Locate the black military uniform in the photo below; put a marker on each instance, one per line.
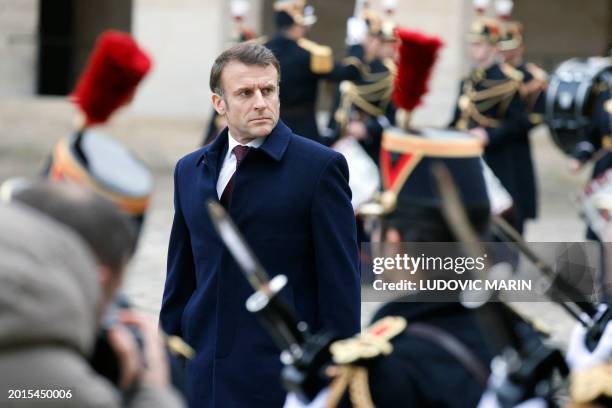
(303, 63)
(368, 99)
(534, 82)
(490, 99)
(421, 373)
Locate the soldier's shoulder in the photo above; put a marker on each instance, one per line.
(321, 56)
(389, 380)
(373, 342)
(511, 72)
(535, 71)
(314, 47)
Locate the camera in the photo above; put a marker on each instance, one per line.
(104, 359)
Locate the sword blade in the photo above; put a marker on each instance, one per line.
(236, 244)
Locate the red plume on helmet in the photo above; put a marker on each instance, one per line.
(417, 55)
(115, 67)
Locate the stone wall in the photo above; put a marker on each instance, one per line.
(184, 37)
(18, 47)
(556, 30)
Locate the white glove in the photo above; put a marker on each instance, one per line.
(489, 400)
(579, 357)
(320, 400)
(356, 31)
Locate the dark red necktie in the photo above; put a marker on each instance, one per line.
(240, 152)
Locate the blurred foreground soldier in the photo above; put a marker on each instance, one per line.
(532, 91)
(89, 157)
(419, 352)
(491, 109)
(303, 63)
(50, 305)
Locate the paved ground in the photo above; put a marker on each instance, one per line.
(29, 128)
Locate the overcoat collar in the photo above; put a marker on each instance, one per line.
(275, 145)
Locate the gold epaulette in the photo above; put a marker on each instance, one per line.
(372, 98)
(606, 142)
(511, 72)
(391, 65)
(499, 92)
(364, 69)
(371, 343)
(590, 384)
(359, 64)
(321, 56)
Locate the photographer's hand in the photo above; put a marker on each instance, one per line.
(154, 370)
(126, 349)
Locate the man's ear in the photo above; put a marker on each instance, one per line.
(219, 104)
(104, 275)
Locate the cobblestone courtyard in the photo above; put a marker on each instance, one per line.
(30, 127)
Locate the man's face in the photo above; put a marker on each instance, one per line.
(109, 281)
(388, 50)
(481, 52)
(371, 45)
(250, 102)
(514, 57)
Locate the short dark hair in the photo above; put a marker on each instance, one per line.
(248, 53)
(109, 234)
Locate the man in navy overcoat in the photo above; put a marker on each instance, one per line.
(290, 198)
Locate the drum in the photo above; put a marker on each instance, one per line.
(570, 97)
(595, 203)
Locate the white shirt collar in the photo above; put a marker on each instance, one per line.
(231, 142)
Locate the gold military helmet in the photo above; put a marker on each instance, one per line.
(484, 29)
(378, 25)
(297, 10)
(511, 35)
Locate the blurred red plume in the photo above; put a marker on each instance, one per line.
(111, 76)
(417, 55)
